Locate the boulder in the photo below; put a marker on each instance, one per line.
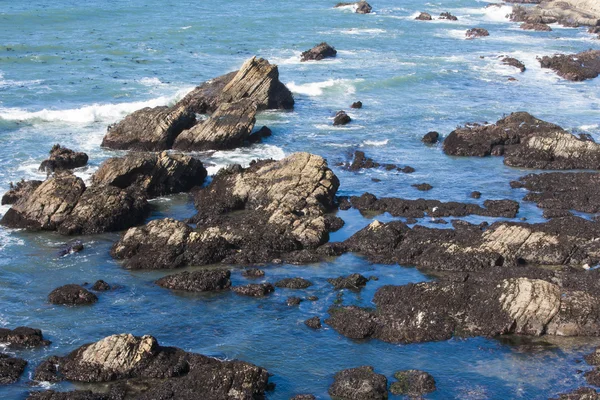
(513, 62)
(423, 187)
(574, 67)
(22, 337)
(152, 174)
(356, 104)
(431, 137)
(149, 129)
(359, 384)
(228, 127)
(413, 383)
(71, 295)
(100, 286)
(293, 301)
(341, 118)
(293, 283)
(319, 52)
(48, 205)
(362, 7)
(11, 369)
(254, 289)
(352, 282)
(20, 190)
(535, 26)
(475, 194)
(424, 17)
(476, 33)
(448, 16)
(205, 280)
(314, 323)
(62, 158)
(151, 371)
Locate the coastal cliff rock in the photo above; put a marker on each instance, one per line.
(433, 311)
(71, 295)
(570, 13)
(159, 372)
(152, 174)
(22, 337)
(48, 205)
(149, 129)
(62, 158)
(11, 369)
(574, 67)
(228, 127)
(205, 280)
(319, 52)
(21, 189)
(247, 215)
(359, 384)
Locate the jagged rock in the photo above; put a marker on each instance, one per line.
(424, 17)
(359, 384)
(71, 295)
(341, 118)
(153, 174)
(293, 301)
(253, 273)
(356, 104)
(529, 26)
(48, 205)
(254, 289)
(62, 158)
(431, 137)
(433, 311)
(413, 383)
(101, 286)
(293, 283)
(228, 127)
(422, 186)
(448, 16)
(20, 190)
(319, 52)
(149, 129)
(583, 393)
(368, 203)
(574, 67)
(22, 337)
(476, 33)
(513, 62)
(159, 372)
(105, 209)
(360, 161)
(352, 281)
(11, 368)
(314, 323)
(562, 191)
(259, 135)
(204, 99)
(205, 280)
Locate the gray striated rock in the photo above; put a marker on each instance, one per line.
(23, 337)
(62, 158)
(571, 13)
(319, 52)
(71, 295)
(149, 129)
(412, 383)
(204, 99)
(359, 384)
(229, 127)
(21, 189)
(574, 67)
(11, 369)
(205, 280)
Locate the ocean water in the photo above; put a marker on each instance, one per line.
(69, 68)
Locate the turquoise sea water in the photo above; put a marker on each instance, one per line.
(70, 68)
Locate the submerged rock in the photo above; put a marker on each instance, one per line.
(574, 67)
(319, 52)
(352, 282)
(359, 384)
(341, 118)
(72, 247)
(101, 286)
(303, 397)
(476, 33)
(23, 337)
(424, 17)
(20, 190)
(448, 16)
(62, 158)
(71, 295)
(513, 62)
(253, 273)
(254, 289)
(412, 383)
(424, 187)
(228, 127)
(11, 369)
(293, 283)
(204, 280)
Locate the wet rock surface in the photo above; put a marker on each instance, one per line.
(293, 301)
(341, 118)
(513, 62)
(319, 52)
(159, 372)
(11, 369)
(361, 161)
(62, 158)
(254, 289)
(359, 384)
(476, 33)
(71, 294)
(431, 137)
(205, 280)
(575, 67)
(22, 189)
(293, 283)
(352, 282)
(22, 337)
(412, 383)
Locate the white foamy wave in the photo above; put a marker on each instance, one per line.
(349, 7)
(453, 33)
(87, 114)
(339, 127)
(243, 156)
(357, 31)
(318, 88)
(6, 238)
(589, 127)
(185, 27)
(154, 81)
(376, 142)
(490, 14)
(11, 83)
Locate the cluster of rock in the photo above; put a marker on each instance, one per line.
(525, 141)
(361, 161)
(138, 367)
(427, 17)
(11, 368)
(574, 67)
(232, 100)
(116, 200)
(270, 210)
